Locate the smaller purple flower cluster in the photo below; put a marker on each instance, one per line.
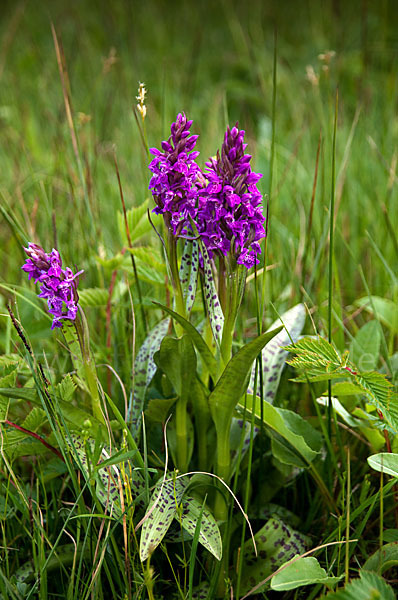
(174, 184)
(58, 285)
(223, 201)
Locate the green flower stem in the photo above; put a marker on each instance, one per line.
(236, 279)
(90, 372)
(182, 435)
(175, 280)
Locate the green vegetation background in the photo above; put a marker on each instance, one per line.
(214, 61)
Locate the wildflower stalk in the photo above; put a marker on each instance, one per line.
(90, 372)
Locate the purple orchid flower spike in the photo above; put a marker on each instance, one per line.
(174, 183)
(230, 214)
(57, 285)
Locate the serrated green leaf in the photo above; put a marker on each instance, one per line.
(8, 375)
(35, 419)
(370, 586)
(209, 534)
(66, 388)
(138, 223)
(73, 414)
(113, 263)
(4, 404)
(161, 511)
(303, 571)
(319, 359)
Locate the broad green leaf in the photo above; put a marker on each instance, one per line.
(209, 534)
(233, 382)
(365, 348)
(390, 535)
(161, 511)
(213, 305)
(381, 308)
(274, 354)
(276, 544)
(189, 272)
(177, 359)
(383, 559)
(200, 344)
(370, 586)
(93, 297)
(158, 409)
(344, 388)
(340, 410)
(294, 440)
(303, 571)
(144, 370)
(385, 462)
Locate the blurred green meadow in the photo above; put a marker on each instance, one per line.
(69, 77)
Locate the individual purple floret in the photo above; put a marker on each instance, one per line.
(58, 285)
(230, 216)
(174, 183)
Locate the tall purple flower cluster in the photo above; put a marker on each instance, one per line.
(223, 201)
(58, 285)
(230, 216)
(174, 184)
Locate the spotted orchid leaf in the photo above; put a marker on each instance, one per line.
(189, 272)
(161, 511)
(213, 305)
(276, 544)
(238, 446)
(209, 533)
(144, 370)
(111, 478)
(274, 354)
